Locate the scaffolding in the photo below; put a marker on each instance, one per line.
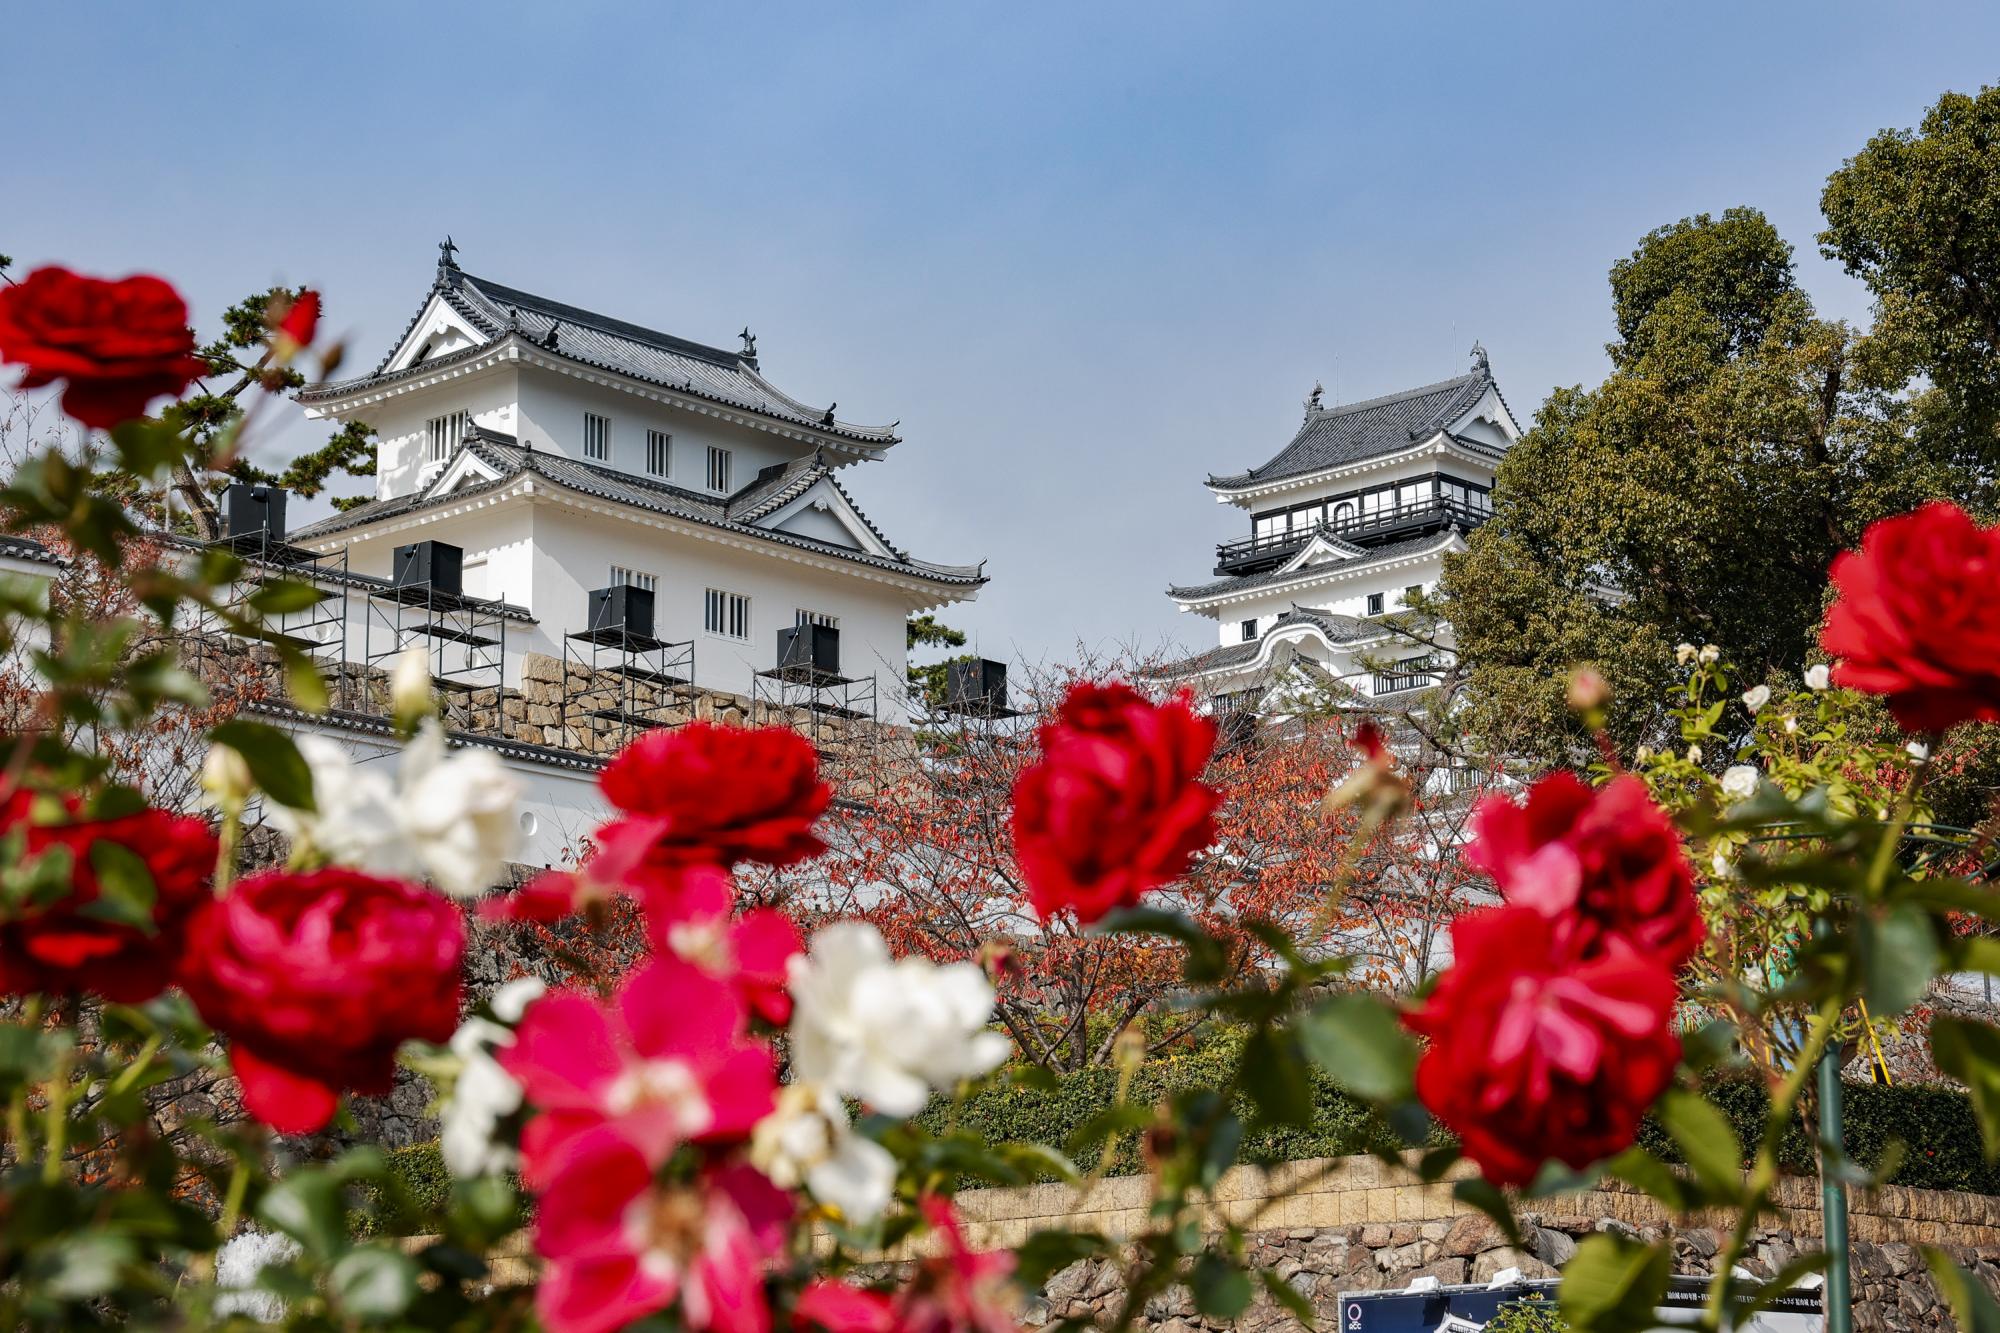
(618, 683)
(826, 707)
(465, 645)
(220, 650)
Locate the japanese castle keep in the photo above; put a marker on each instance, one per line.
(1349, 519)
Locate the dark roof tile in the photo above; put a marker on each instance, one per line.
(1335, 436)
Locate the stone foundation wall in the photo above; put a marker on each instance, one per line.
(1356, 1224)
(535, 713)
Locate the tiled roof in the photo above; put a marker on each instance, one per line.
(763, 495)
(1334, 436)
(1274, 577)
(1337, 629)
(584, 336)
(27, 548)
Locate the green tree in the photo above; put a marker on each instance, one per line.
(1916, 216)
(927, 682)
(1697, 494)
(243, 357)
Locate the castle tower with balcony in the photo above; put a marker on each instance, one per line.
(1347, 522)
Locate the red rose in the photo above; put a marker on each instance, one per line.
(1115, 805)
(300, 319)
(1915, 618)
(1536, 1054)
(61, 947)
(316, 979)
(1601, 862)
(719, 795)
(115, 345)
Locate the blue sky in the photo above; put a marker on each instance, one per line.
(1085, 253)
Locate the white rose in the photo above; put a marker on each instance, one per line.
(1721, 863)
(1757, 697)
(1694, 754)
(484, 1093)
(242, 1257)
(1918, 751)
(410, 693)
(887, 1030)
(458, 813)
(1739, 782)
(446, 817)
(1710, 653)
(1818, 676)
(1685, 653)
(806, 1140)
(1791, 725)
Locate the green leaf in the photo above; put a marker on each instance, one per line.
(1706, 1140)
(1971, 1304)
(283, 597)
(274, 761)
(1813, 1261)
(1640, 1169)
(1491, 1200)
(1361, 1044)
(1221, 1289)
(1612, 1284)
(125, 889)
(1046, 1253)
(147, 448)
(374, 1282)
(310, 1207)
(1899, 956)
(88, 1265)
(1273, 1074)
(1970, 1053)
(1285, 1294)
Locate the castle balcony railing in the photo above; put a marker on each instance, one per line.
(1250, 555)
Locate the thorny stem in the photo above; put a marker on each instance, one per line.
(1765, 1173)
(58, 1121)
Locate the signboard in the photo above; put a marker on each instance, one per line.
(1461, 1309)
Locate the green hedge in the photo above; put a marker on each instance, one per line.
(1935, 1125)
(1026, 1114)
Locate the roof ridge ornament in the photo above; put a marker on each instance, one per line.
(1479, 361)
(549, 339)
(749, 352)
(445, 252)
(1313, 399)
(827, 420)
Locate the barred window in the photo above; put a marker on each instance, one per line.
(727, 614)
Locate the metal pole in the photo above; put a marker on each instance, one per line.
(1839, 1294)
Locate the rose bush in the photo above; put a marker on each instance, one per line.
(672, 1172)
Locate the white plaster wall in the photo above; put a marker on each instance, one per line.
(575, 549)
(401, 466)
(552, 407)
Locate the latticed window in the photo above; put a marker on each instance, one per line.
(633, 578)
(727, 614)
(805, 617)
(659, 455)
(442, 435)
(596, 437)
(718, 469)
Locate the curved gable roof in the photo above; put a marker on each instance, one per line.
(1334, 436)
(498, 311)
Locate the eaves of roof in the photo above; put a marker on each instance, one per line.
(512, 461)
(1376, 555)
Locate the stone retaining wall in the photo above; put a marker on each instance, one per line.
(1356, 1224)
